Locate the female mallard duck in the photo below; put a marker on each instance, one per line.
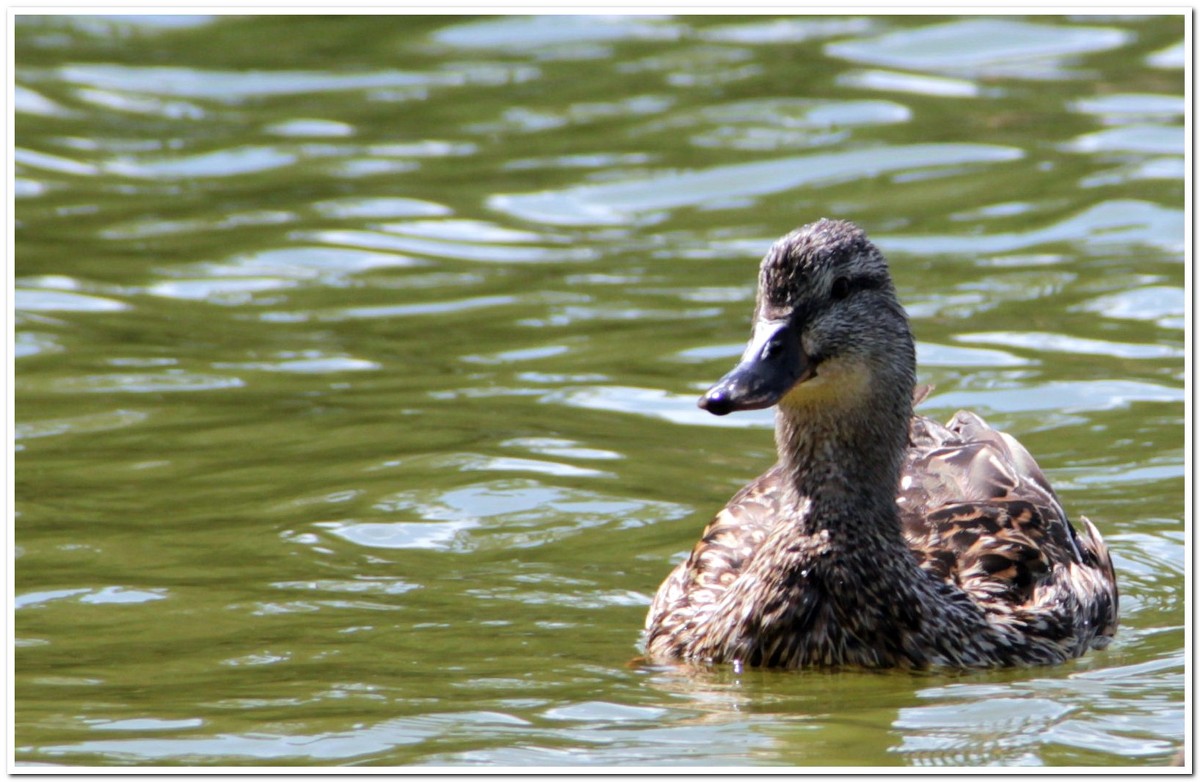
(879, 538)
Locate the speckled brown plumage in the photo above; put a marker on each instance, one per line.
(880, 538)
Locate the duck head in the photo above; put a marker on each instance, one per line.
(828, 328)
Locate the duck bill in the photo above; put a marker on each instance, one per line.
(773, 363)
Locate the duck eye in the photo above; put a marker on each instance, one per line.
(841, 289)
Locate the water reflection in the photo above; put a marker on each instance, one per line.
(500, 514)
(43, 300)
(1106, 223)
(1163, 305)
(548, 35)
(643, 199)
(237, 86)
(771, 124)
(917, 84)
(356, 405)
(982, 47)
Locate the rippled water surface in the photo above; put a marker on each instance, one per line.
(356, 362)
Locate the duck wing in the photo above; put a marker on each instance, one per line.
(730, 540)
(978, 512)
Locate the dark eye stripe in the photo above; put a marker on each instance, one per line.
(844, 286)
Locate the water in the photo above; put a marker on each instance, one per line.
(356, 362)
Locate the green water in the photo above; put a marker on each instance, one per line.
(356, 362)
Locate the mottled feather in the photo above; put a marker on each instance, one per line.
(978, 513)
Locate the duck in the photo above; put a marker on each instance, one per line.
(880, 538)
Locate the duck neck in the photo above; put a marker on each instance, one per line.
(844, 465)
